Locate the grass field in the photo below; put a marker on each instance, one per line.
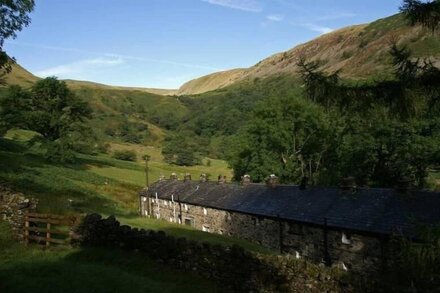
(94, 184)
(99, 184)
(87, 270)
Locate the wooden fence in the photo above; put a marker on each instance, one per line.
(47, 229)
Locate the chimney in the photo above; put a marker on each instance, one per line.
(187, 177)
(404, 185)
(173, 176)
(304, 181)
(203, 177)
(272, 180)
(246, 179)
(221, 179)
(162, 177)
(348, 185)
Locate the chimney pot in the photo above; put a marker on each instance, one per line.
(173, 176)
(203, 177)
(221, 179)
(303, 184)
(272, 180)
(348, 184)
(246, 179)
(187, 177)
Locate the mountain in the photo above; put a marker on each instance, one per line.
(359, 51)
(22, 77)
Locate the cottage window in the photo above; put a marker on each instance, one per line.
(295, 229)
(205, 228)
(346, 238)
(205, 211)
(189, 222)
(228, 217)
(256, 221)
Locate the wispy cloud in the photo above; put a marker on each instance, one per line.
(79, 67)
(115, 55)
(245, 5)
(275, 17)
(318, 28)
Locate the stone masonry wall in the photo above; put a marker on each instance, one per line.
(13, 206)
(232, 268)
(346, 250)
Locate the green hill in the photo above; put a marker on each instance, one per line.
(359, 51)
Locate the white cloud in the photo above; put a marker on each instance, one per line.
(245, 5)
(275, 17)
(78, 67)
(114, 55)
(318, 28)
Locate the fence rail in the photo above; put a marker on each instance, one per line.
(40, 228)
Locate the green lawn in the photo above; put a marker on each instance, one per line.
(87, 270)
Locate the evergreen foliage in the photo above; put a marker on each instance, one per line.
(425, 13)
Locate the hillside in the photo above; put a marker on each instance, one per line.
(360, 51)
(22, 77)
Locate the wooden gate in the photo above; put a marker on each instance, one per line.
(47, 229)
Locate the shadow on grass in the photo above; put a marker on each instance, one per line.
(59, 188)
(94, 270)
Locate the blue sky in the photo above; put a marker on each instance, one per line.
(164, 43)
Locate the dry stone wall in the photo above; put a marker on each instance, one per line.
(233, 268)
(13, 206)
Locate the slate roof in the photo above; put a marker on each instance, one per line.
(373, 210)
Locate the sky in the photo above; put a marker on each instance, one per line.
(164, 43)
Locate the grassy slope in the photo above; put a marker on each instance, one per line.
(87, 270)
(97, 184)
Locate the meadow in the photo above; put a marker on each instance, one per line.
(103, 185)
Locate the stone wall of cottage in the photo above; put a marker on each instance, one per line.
(347, 250)
(13, 206)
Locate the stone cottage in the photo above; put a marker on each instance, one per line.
(346, 226)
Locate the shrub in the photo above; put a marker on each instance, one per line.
(125, 155)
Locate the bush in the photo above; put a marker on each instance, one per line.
(125, 155)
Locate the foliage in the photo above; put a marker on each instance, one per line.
(377, 131)
(125, 155)
(418, 261)
(288, 137)
(53, 111)
(14, 17)
(181, 149)
(425, 13)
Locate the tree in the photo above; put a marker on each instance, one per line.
(50, 109)
(289, 137)
(425, 13)
(14, 17)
